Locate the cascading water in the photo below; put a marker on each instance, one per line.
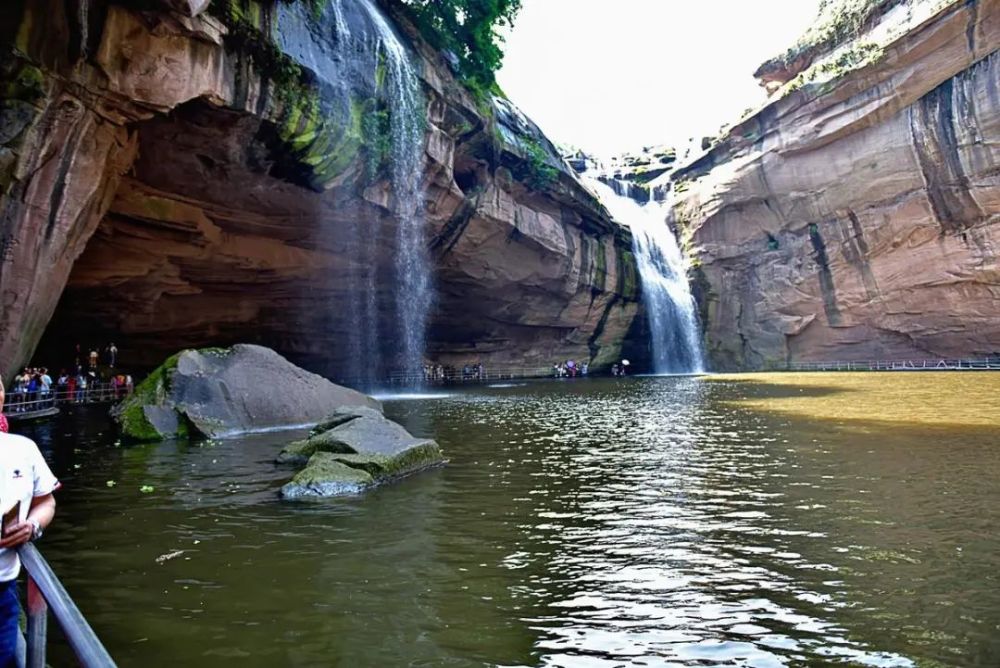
(411, 286)
(666, 294)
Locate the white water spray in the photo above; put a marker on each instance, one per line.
(666, 295)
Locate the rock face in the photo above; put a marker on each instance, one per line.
(353, 450)
(179, 173)
(858, 218)
(220, 392)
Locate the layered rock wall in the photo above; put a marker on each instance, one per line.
(184, 173)
(858, 218)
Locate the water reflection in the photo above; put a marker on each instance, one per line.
(654, 521)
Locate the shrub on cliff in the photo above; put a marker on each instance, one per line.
(469, 29)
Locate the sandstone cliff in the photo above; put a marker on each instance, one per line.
(856, 216)
(181, 173)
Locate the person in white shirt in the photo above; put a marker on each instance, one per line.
(25, 478)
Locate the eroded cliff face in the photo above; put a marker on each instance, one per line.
(184, 173)
(858, 218)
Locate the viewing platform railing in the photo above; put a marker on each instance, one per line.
(982, 364)
(18, 404)
(452, 376)
(46, 592)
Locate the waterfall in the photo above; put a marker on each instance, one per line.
(410, 285)
(666, 295)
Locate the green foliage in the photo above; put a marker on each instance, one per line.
(838, 22)
(853, 58)
(468, 29)
(376, 133)
(540, 174)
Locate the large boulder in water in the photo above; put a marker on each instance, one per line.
(219, 392)
(352, 450)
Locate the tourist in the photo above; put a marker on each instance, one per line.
(62, 385)
(18, 393)
(81, 387)
(93, 384)
(128, 383)
(70, 388)
(112, 355)
(45, 383)
(93, 359)
(614, 370)
(30, 490)
(32, 387)
(584, 368)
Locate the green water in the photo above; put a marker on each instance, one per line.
(648, 522)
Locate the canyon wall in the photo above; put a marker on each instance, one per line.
(179, 173)
(857, 217)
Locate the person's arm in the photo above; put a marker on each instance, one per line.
(43, 509)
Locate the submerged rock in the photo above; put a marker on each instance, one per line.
(327, 476)
(358, 449)
(217, 392)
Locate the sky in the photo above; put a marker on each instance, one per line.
(611, 76)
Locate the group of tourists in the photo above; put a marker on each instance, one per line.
(570, 369)
(34, 386)
(92, 377)
(441, 373)
(106, 355)
(34, 389)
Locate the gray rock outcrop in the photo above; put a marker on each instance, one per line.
(219, 392)
(354, 449)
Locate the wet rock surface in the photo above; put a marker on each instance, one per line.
(353, 450)
(222, 392)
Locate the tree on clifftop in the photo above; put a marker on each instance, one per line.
(469, 29)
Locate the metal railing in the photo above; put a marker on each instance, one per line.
(23, 402)
(46, 592)
(981, 364)
(453, 376)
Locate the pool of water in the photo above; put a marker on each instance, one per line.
(641, 521)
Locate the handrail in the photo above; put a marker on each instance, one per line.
(452, 375)
(44, 591)
(935, 364)
(18, 403)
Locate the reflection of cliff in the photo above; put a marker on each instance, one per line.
(182, 180)
(857, 218)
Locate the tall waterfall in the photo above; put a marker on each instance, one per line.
(410, 283)
(412, 289)
(666, 295)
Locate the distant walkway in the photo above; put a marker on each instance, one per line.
(460, 376)
(969, 364)
(22, 407)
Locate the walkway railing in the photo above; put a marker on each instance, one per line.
(452, 376)
(982, 363)
(45, 592)
(19, 402)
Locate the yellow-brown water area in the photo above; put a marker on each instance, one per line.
(931, 399)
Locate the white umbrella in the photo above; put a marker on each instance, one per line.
(626, 362)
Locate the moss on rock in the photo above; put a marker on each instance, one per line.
(325, 475)
(153, 391)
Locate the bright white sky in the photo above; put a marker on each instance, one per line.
(611, 76)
